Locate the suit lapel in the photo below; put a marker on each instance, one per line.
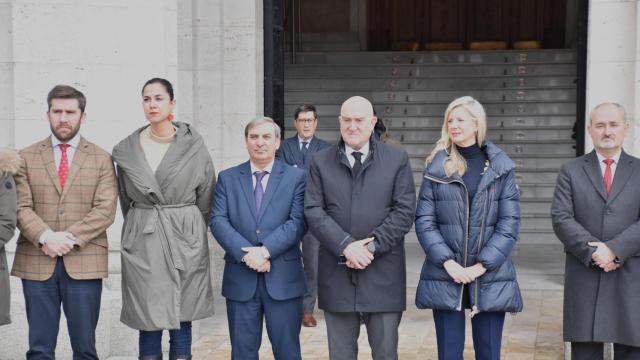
(313, 146)
(272, 186)
(246, 182)
(624, 169)
(294, 147)
(76, 164)
(592, 169)
(49, 163)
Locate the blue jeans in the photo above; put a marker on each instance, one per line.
(179, 341)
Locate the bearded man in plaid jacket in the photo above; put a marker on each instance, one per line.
(67, 196)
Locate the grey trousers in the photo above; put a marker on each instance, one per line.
(343, 330)
(310, 248)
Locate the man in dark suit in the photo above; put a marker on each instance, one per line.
(360, 203)
(297, 151)
(67, 196)
(596, 215)
(258, 219)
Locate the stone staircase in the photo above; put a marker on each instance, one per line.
(529, 96)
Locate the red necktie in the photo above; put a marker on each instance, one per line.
(608, 175)
(63, 169)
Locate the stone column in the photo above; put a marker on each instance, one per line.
(6, 74)
(613, 69)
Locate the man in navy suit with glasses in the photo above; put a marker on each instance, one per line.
(297, 151)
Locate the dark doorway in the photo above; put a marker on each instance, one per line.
(457, 24)
(273, 17)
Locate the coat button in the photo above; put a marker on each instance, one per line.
(258, 231)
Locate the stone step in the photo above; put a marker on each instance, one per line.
(427, 71)
(538, 206)
(397, 83)
(430, 96)
(435, 57)
(385, 109)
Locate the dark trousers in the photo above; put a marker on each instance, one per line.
(343, 330)
(283, 318)
(310, 248)
(487, 334)
(595, 351)
(80, 300)
(150, 342)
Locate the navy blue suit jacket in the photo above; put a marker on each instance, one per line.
(279, 225)
(290, 151)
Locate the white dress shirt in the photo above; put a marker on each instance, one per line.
(71, 150)
(603, 166)
(265, 179)
(349, 150)
(301, 140)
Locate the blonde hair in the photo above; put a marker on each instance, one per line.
(455, 162)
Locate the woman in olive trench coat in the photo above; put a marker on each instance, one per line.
(9, 163)
(166, 280)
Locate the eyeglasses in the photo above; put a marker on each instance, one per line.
(306, 121)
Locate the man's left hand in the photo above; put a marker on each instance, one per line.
(603, 255)
(255, 257)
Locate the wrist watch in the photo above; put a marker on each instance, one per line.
(372, 247)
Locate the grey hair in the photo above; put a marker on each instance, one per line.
(260, 121)
(615, 105)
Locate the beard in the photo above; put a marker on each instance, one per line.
(62, 137)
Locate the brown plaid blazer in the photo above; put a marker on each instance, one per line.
(85, 208)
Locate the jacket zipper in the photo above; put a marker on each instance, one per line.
(474, 308)
(466, 233)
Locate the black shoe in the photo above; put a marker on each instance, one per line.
(151, 357)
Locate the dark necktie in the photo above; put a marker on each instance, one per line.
(357, 165)
(608, 175)
(304, 149)
(258, 191)
(63, 168)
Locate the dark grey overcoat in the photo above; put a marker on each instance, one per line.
(379, 202)
(9, 162)
(599, 306)
(165, 253)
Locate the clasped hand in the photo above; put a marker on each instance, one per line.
(59, 243)
(463, 275)
(255, 259)
(357, 254)
(603, 256)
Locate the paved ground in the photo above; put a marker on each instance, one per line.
(534, 334)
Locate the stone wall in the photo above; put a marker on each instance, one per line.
(613, 61)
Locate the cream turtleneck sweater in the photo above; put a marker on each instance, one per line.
(154, 147)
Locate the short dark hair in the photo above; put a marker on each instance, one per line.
(164, 82)
(305, 108)
(67, 92)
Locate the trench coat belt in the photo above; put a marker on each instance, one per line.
(168, 240)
